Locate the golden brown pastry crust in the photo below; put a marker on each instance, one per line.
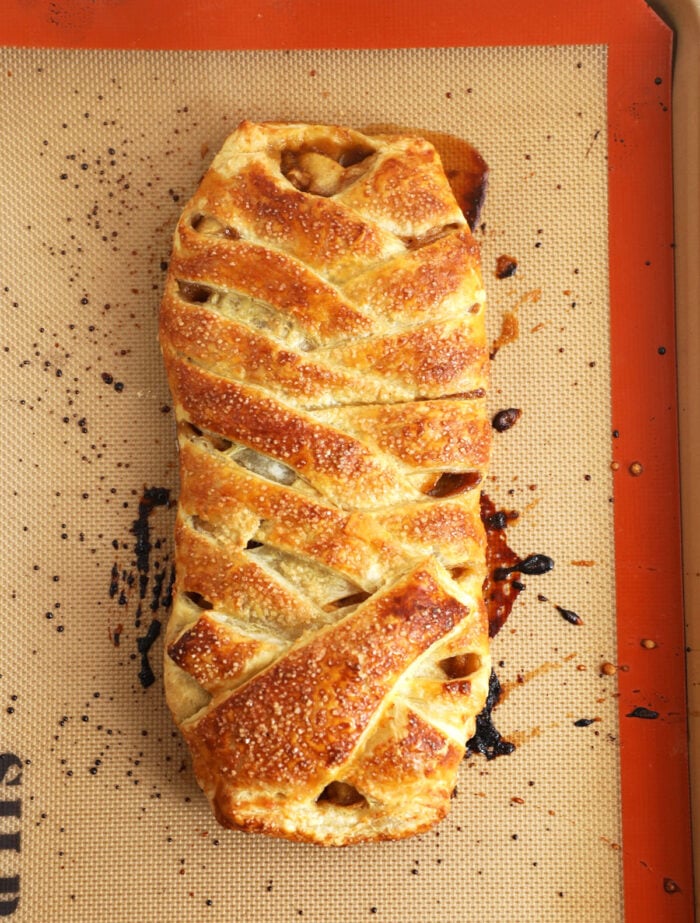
(322, 329)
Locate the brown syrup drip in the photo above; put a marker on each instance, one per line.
(510, 331)
(499, 595)
(510, 324)
(533, 565)
(501, 589)
(149, 578)
(143, 645)
(502, 584)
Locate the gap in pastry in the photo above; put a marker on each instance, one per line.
(220, 443)
(473, 395)
(271, 469)
(202, 525)
(461, 666)
(189, 430)
(323, 172)
(453, 483)
(320, 583)
(198, 600)
(355, 599)
(422, 240)
(212, 227)
(265, 467)
(342, 794)
(193, 292)
(461, 571)
(259, 315)
(351, 156)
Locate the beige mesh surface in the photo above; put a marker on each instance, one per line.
(100, 150)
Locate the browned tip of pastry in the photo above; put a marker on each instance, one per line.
(214, 654)
(464, 166)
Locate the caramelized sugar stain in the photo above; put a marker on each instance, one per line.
(146, 576)
(510, 324)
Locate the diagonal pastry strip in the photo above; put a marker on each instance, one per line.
(299, 722)
(323, 334)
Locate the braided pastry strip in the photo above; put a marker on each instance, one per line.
(323, 334)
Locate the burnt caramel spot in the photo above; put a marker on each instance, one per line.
(506, 266)
(533, 565)
(573, 618)
(505, 419)
(502, 584)
(487, 740)
(497, 520)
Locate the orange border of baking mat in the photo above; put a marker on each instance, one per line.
(658, 878)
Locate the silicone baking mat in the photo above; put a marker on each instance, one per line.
(103, 139)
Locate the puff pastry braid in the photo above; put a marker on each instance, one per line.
(323, 333)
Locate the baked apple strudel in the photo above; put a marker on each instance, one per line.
(322, 329)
